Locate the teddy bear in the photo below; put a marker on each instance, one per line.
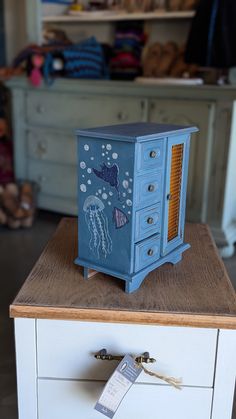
(17, 206)
(159, 59)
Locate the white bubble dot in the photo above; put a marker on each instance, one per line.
(89, 170)
(124, 194)
(89, 182)
(129, 212)
(86, 147)
(109, 163)
(125, 184)
(103, 146)
(114, 156)
(109, 202)
(123, 206)
(104, 196)
(130, 190)
(108, 147)
(83, 175)
(96, 194)
(104, 188)
(127, 173)
(108, 158)
(103, 154)
(110, 193)
(106, 152)
(131, 180)
(129, 202)
(82, 164)
(99, 191)
(83, 187)
(92, 158)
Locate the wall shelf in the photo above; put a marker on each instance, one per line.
(85, 17)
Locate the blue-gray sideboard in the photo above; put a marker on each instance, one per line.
(45, 120)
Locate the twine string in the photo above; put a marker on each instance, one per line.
(175, 382)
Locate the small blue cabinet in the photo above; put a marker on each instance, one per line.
(132, 183)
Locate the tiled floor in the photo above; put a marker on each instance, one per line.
(18, 252)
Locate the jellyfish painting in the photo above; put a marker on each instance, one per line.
(100, 242)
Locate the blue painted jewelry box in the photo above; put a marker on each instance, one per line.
(132, 183)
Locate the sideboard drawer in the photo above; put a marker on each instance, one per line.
(54, 146)
(147, 222)
(150, 155)
(76, 111)
(66, 350)
(54, 179)
(146, 252)
(148, 189)
(73, 400)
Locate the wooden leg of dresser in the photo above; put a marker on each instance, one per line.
(223, 393)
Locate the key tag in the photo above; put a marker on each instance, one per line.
(118, 385)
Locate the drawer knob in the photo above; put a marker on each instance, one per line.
(40, 109)
(169, 197)
(150, 220)
(151, 188)
(150, 252)
(153, 154)
(122, 116)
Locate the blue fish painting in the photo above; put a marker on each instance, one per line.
(120, 219)
(109, 175)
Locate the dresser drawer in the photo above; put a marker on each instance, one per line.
(76, 400)
(150, 155)
(146, 252)
(74, 111)
(147, 222)
(148, 189)
(66, 350)
(54, 179)
(49, 145)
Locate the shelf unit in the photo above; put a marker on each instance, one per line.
(85, 17)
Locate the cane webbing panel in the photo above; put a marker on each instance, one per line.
(175, 190)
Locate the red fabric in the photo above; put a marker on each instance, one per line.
(6, 162)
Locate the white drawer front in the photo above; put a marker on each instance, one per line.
(54, 179)
(74, 111)
(49, 145)
(76, 400)
(66, 350)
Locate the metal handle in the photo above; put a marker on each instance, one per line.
(150, 220)
(169, 197)
(151, 188)
(104, 356)
(150, 252)
(41, 148)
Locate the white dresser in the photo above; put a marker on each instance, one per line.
(183, 315)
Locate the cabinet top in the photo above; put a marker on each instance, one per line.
(196, 292)
(136, 132)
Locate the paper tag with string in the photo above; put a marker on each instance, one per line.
(122, 379)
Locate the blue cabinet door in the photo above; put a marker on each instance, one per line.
(175, 192)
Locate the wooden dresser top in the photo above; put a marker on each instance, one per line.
(196, 292)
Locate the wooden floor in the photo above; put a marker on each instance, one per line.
(19, 250)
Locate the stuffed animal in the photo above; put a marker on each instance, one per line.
(152, 60)
(168, 57)
(17, 206)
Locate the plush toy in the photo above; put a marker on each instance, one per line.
(152, 60)
(168, 57)
(55, 36)
(17, 206)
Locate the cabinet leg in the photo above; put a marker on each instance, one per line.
(176, 259)
(131, 286)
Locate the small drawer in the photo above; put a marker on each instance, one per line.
(66, 350)
(146, 253)
(147, 222)
(148, 189)
(150, 155)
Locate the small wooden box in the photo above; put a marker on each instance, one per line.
(132, 193)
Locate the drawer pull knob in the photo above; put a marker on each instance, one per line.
(153, 154)
(104, 356)
(40, 109)
(150, 220)
(151, 188)
(169, 197)
(150, 252)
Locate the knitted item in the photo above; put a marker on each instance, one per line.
(126, 60)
